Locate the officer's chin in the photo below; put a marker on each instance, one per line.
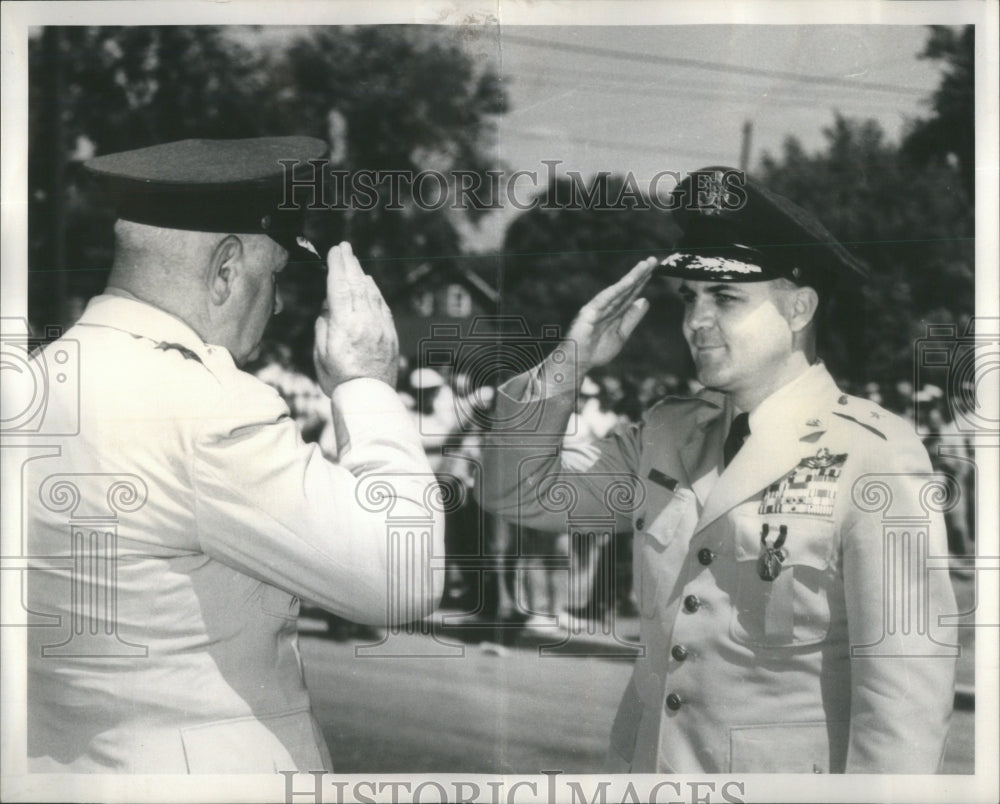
(710, 375)
(253, 355)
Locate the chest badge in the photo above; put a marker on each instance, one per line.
(810, 488)
(771, 556)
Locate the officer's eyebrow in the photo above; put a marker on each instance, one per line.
(686, 291)
(722, 287)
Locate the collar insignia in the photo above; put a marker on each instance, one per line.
(188, 354)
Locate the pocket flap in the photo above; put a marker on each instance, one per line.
(787, 748)
(808, 542)
(664, 513)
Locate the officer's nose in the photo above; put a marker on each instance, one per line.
(699, 315)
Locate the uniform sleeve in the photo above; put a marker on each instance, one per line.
(902, 654)
(275, 508)
(535, 479)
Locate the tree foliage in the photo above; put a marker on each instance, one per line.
(402, 98)
(906, 211)
(908, 223)
(950, 133)
(559, 254)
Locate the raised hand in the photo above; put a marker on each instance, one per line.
(604, 324)
(355, 335)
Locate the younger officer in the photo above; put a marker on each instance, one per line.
(786, 627)
(181, 516)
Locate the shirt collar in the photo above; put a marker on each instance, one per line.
(124, 312)
(775, 411)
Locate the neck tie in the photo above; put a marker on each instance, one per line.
(738, 432)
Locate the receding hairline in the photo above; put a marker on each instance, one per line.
(139, 235)
(132, 236)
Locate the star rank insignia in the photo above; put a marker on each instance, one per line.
(810, 488)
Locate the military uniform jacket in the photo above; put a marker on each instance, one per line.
(174, 525)
(836, 654)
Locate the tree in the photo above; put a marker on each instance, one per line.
(562, 252)
(105, 89)
(411, 100)
(951, 132)
(385, 97)
(916, 239)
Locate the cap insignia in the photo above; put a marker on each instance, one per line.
(720, 265)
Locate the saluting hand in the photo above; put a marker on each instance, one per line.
(606, 321)
(355, 335)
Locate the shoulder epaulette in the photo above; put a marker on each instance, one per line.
(859, 411)
(187, 353)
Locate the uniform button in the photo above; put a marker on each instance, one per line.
(640, 523)
(705, 556)
(673, 702)
(691, 603)
(679, 652)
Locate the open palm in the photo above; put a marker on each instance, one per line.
(604, 324)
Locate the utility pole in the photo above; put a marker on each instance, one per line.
(745, 146)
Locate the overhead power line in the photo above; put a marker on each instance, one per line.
(700, 64)
(724, 95)
(620, 84)
(620, 145)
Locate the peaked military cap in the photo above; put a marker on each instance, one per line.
(735, 230)
(202, 185)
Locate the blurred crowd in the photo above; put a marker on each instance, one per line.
(528, 577)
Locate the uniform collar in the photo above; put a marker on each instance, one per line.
(773, 412)
(779, 427)
(126, 313)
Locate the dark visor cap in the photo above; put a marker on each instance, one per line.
(735, 230)
(225, 186)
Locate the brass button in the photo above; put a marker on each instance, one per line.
(679, 652)
(705, 556)
(673, 702)
(691, 603)
(640, 523)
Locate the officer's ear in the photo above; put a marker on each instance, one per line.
(224, 268)
(805, 303)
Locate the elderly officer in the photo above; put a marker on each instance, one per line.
(173, 647)
(785, 628)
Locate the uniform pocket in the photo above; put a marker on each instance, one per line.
(665, 513)
(656, 526)
(278, 603)
(252, 745)
(793, 609)
(784, 748)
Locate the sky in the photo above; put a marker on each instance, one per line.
(653, 98)
(622, 98)
(649, 98)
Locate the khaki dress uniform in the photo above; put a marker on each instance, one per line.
(771, 593)
(175, 517)
(184, 658)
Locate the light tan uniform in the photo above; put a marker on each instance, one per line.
(743, 674)
(173, 536)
